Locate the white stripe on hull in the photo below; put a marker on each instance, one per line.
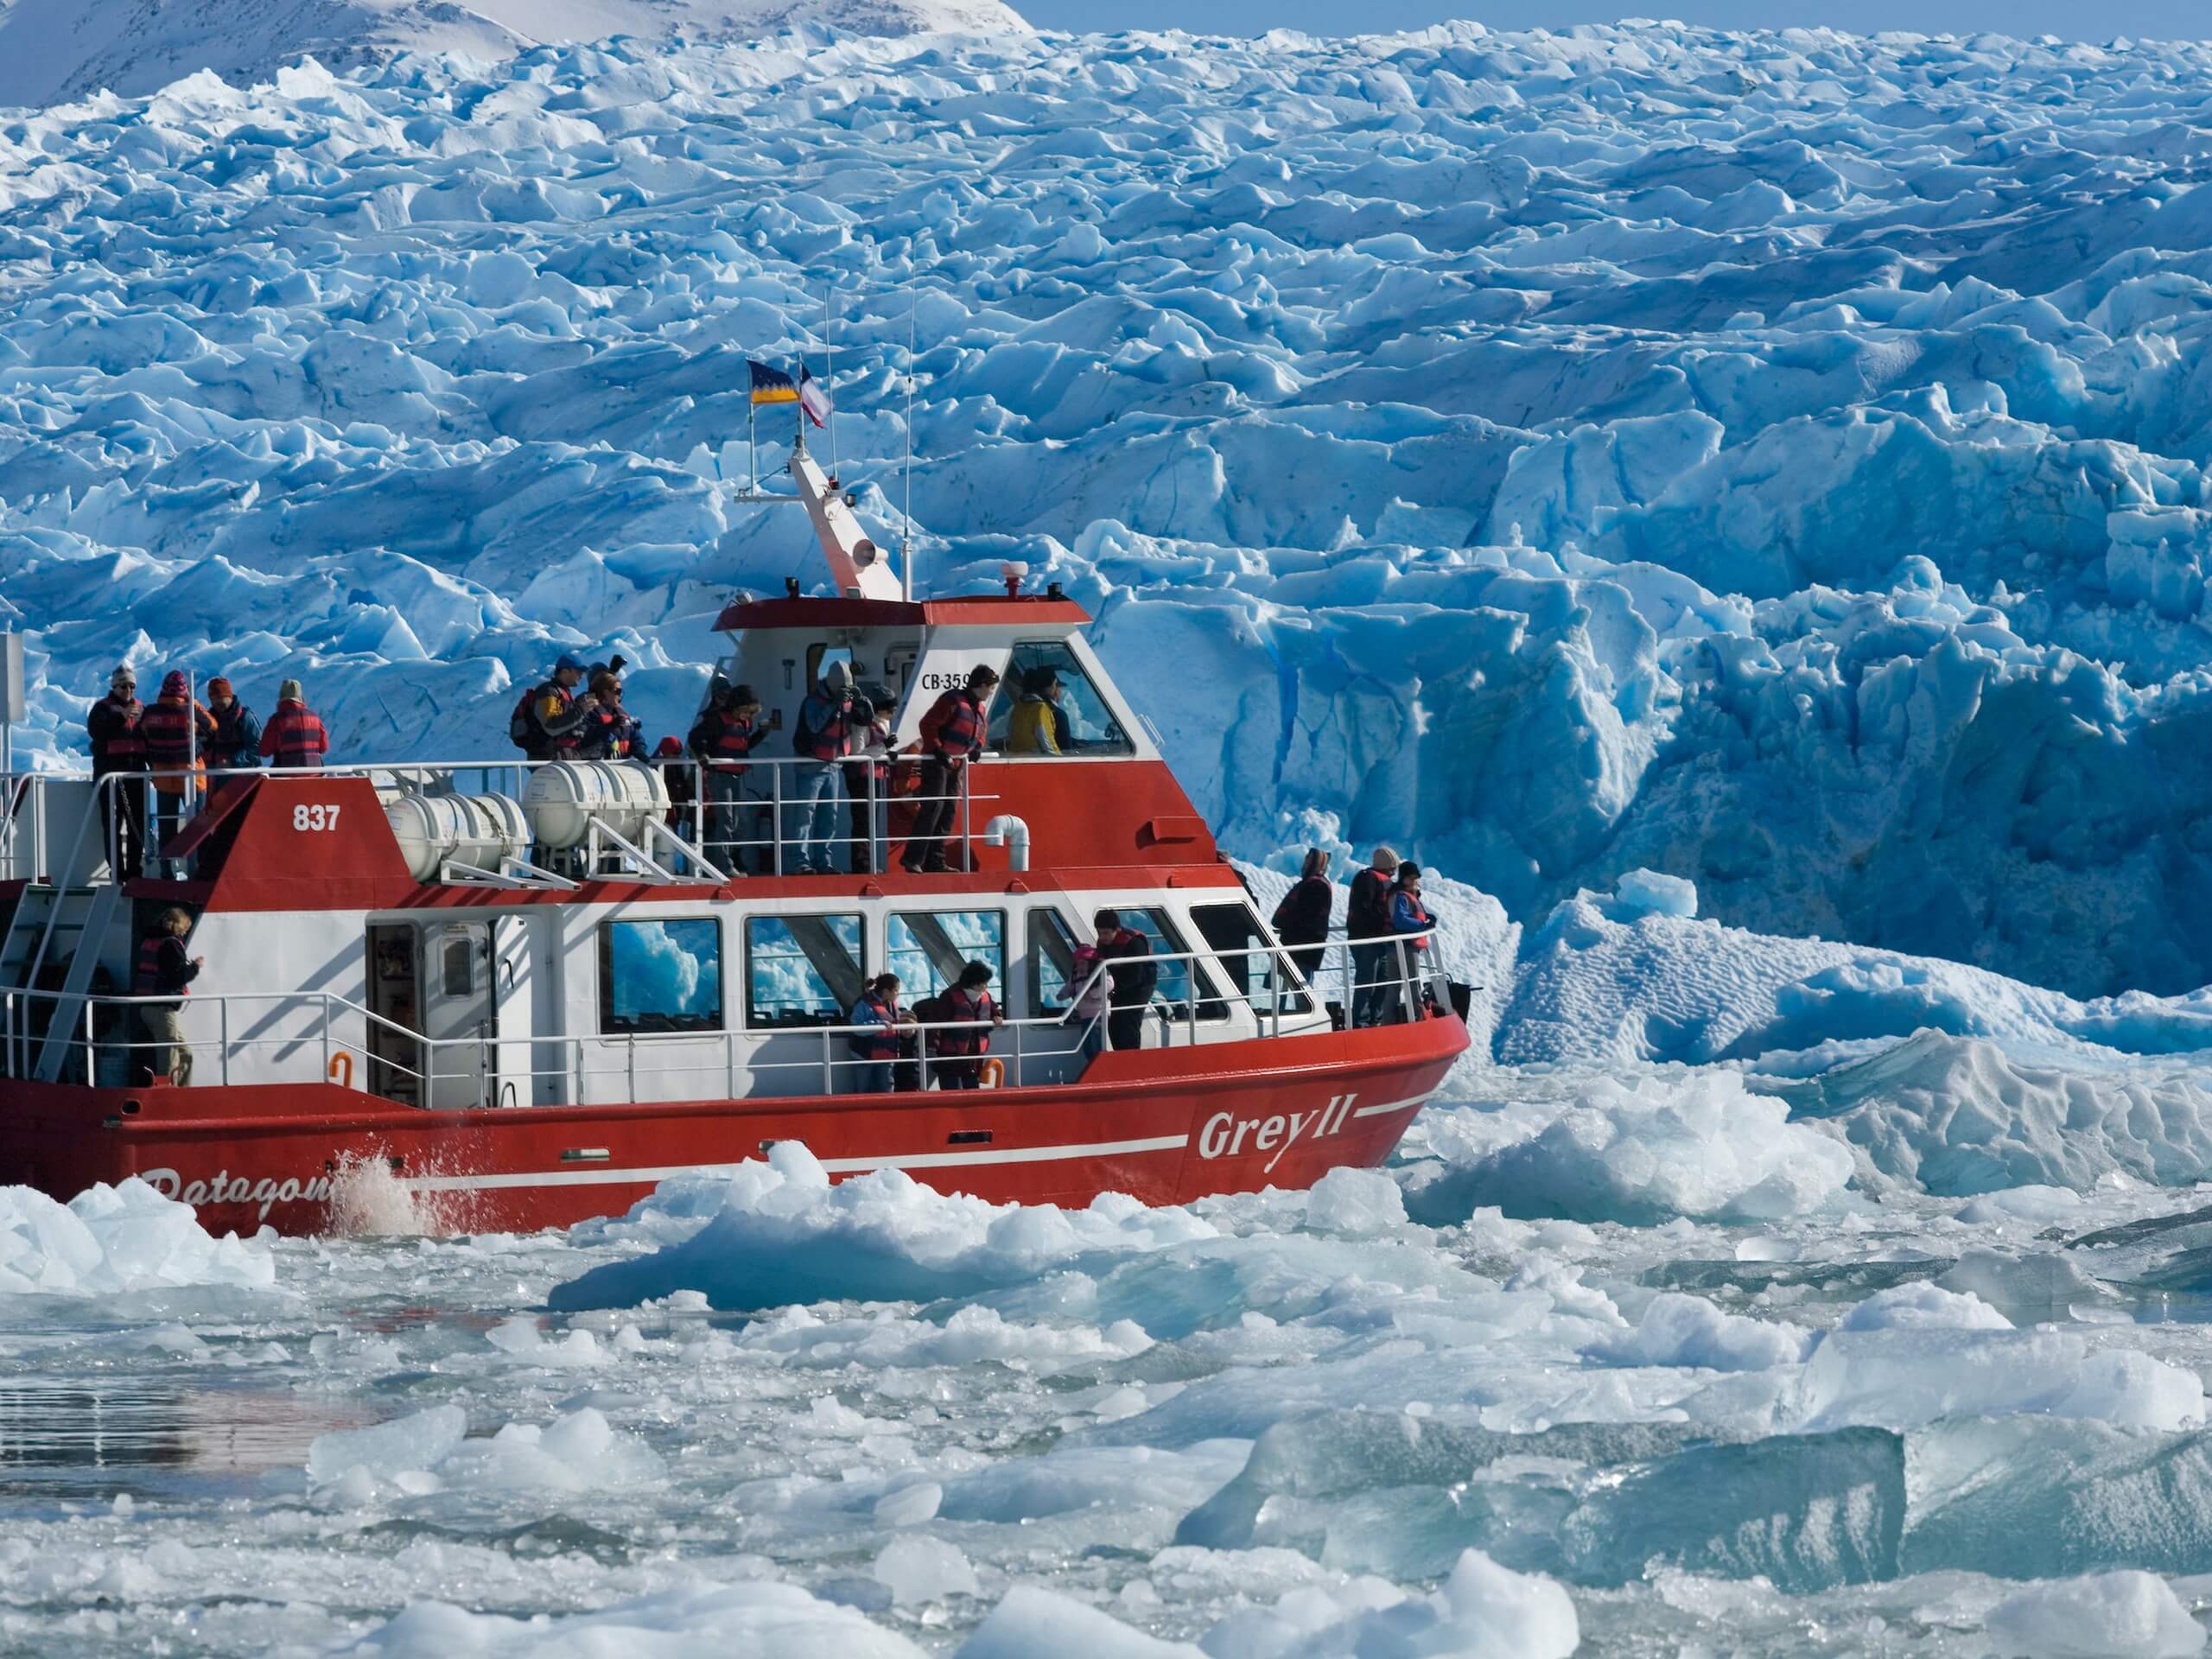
(600, 1176)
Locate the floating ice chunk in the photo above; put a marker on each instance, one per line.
(1648, 892)
(521, 1337)
(386, 1451)
(2108, 1615)
(918, 1569)
(2035, 1206)
(1483, 1612)
(1923, 1307)
(1030, 1622)
(1355, 1202)
(784, 1235)
(1699, 1146)
(1680, 1329)
(1916, 1374)
(700, 1621)
(579, 1451)
(112, 1239)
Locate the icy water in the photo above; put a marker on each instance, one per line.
(1847, 1430)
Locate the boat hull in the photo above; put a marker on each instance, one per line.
(1165, 1126)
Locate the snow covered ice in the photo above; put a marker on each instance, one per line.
(1733, 506)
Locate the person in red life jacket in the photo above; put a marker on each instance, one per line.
(729, 730)
(118, 751)
(868, 778)
(1127, 954)
(294, 737)
(165, 971)
(237, 743)
(548, 723)
(1367, 917)
(961, 1047)
(952, 735)
(177, 731)
(829, 723)
(1409, 918)
(608, 732)
(877, 1044)
(1301, 920)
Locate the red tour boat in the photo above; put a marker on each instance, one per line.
(525, 993)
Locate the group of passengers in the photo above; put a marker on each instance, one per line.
(175, 742)
(1384, 923)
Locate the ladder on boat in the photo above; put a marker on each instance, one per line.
(60, 925)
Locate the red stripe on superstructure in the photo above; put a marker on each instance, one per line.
(987, 610)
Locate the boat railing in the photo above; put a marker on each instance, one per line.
(318, 1029)
(768, 815)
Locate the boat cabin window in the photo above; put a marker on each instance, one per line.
(660, 976)
(1049, 705)
(459, 969)
(1052, 961)
(802, 970)
(1175, 987)
(1240, 944)
(927, 948)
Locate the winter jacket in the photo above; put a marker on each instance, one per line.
(176, 734)
(113, 727)
(722, 738)
(293, 736)
(1303, 916)
(1408, 914)
(165, 969)
(1094, 1000)
(953, 730)
(1033, 730)
(1368, 915)
(237, 741)
(1135, 974)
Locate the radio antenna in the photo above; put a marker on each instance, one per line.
(830, 375)
(906, 530)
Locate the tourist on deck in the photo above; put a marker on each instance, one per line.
(877, 1048)
(177, 730)
(951, 735)
(738, 824)
(608, 732)
(1035, 727)
(1301, 920)
(1090, 989)
(1135, 977)
(237, 743)
(165, 971)
(548, 724)
(823, 742)
(962, 1047)
(867, 779)
(1367, 917)
(1410, 918)
(120, 750)
(293, 739)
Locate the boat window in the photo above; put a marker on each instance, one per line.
(1240, 944)
(459, 974)
(802, 970)
(1048, 704)
(1174, 988)
(927, 948)
(659, 976)
(1052, 961)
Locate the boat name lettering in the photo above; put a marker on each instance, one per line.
(1224, 1133)
(222, 1188)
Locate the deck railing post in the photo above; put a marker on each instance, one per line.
(223, 1035)
(776, 808)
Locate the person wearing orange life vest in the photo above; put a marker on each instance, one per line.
(737, 823)
(1410, 917)
(868, 778)
(165, 971)
(951, 735)
(120, 750)
(961, 1049)
(177, 731)
(877, 1044)
(294, 737)
(548, 723)
(828, 724)
(608, 731)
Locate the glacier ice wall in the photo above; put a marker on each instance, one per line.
(1775, 459)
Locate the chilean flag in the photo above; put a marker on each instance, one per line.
(813, 396)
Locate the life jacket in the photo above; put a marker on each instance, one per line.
(147, 982)
(117, 745)
(723, 740)
(166, 729)
(880, 1043)
(1368, 915)
(954, 729)
(294, 736)
(526, 727)
(832, 739)
(958, 1005)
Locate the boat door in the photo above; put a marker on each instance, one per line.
(457, 1013)
(527, 1072)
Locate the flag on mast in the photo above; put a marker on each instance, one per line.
(813, 396)
(772, 385)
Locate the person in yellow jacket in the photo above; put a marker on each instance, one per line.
(1038, 723)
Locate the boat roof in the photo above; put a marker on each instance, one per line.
(969, 610)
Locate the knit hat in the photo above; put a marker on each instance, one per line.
(218, 687)
(667, 749)
(290, 692)
(123, 672)
(173, 683)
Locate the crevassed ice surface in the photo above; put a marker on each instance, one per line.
(1773, 460)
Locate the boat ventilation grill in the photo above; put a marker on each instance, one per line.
(969, 1138)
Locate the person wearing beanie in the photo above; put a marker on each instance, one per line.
(177, 732)
(237, 743)
(293, 736)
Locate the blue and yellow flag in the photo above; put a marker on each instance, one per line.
(772, 385)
